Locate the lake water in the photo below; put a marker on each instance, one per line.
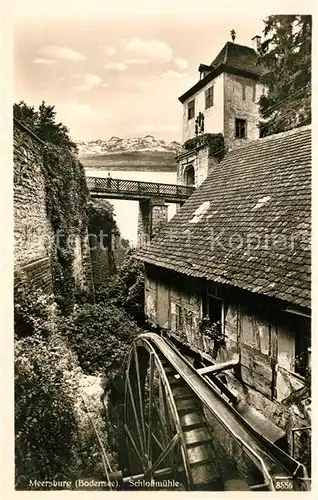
(127, 210)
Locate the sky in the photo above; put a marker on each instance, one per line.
(111, 69)
(117, 68)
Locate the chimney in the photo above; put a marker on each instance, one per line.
(256, 42)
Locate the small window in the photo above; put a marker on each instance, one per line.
(191, 109)
(301, 326)
(240, 128)
(215, 310)
(254, 93)
(209, 97)
(243, 91)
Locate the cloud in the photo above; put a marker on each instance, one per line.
(79, 109)
(149, 49)
(55, 52)
(109, 51)
(42, 60)
(172, 74)
(137, 61)
(119, 66)
(72, 110)
(181, 63)
(90, 81)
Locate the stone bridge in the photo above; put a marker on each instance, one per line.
(152, 197)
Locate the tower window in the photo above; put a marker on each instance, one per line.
(243, 91)
(191, 109)
(209, 97)
(254, 93)
(240, 128)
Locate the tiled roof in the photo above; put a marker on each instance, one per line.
(238, 57)
(233, 58)
(248, 224)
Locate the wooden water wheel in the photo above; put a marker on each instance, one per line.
(166, 431)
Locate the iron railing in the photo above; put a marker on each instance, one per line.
(138, 188)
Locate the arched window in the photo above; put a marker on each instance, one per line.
(189, 176)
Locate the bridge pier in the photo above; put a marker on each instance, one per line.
(153, 215)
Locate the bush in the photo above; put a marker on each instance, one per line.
(45, 421)
(100, 335)
(32, 308)
(55, 438)
(126, 289)
(215, 142)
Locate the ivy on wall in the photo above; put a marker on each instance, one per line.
(215, 143)
(66, 194)
(66, 202)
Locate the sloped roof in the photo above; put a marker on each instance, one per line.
(239, 57)
(248, 224)
(233, 58)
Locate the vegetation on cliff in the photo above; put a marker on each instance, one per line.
(125, 289)
(54, 438)
(100, 335)
(59, 344)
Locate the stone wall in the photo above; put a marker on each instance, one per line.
(234, 97)
(202, 163)
(152, 216)
(32, 230)
(240, 101)
(33, 233)
(213, 116)
(159, 218)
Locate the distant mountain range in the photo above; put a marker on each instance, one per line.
(147, 144)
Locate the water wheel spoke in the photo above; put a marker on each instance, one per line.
(140, 399)
(164, 434)
(134, 412)
(134, 444)
(164, 419)
(165, 452)
(151, 383)
(167, 416)
(154, 437)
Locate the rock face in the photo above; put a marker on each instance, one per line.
(118, 145)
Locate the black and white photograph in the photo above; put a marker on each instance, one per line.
(161, 246)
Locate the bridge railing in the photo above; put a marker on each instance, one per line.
(123, 186)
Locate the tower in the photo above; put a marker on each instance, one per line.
(226, 94)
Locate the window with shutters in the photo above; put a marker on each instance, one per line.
(209, 97)
(191, 109)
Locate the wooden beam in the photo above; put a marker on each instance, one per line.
(219, 367)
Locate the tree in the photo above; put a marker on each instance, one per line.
(42, 123)
(100, 335)
(285, 55)
(126, 288)
(102, 218)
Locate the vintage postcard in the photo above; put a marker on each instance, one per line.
(162, 257)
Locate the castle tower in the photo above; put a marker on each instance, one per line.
(226, 96)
